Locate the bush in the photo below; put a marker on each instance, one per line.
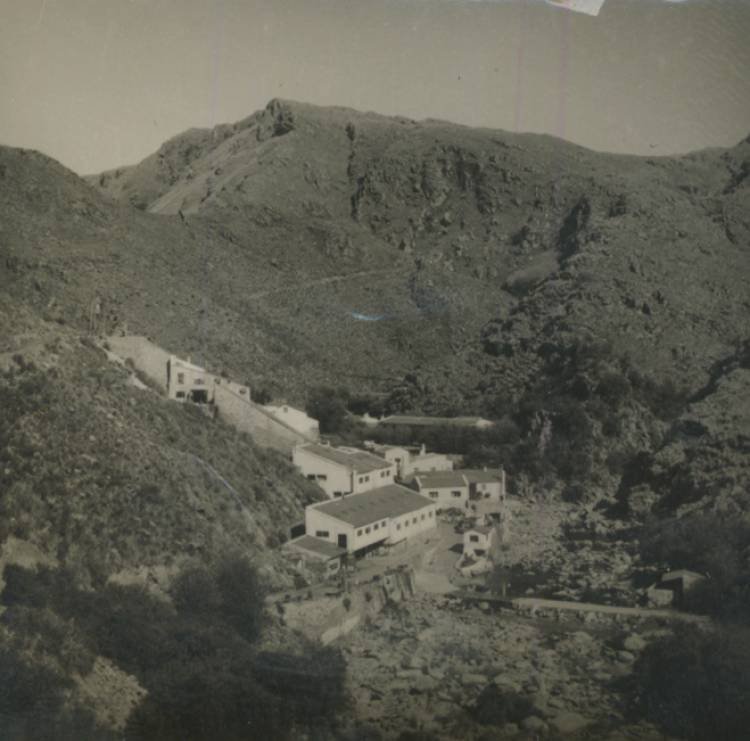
(696, 684)
(328, 406)
(311, 685)
(497, 707)
(242, 596)
(218, 699)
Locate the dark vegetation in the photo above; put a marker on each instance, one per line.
(712, 544)
(196, 656)
(695, 684)
(497, 707)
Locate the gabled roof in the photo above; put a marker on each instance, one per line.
(360, 461)
(316, 546)
(440, 479)
(382, 503)
(481, 476)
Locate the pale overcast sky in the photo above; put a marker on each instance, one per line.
(101, 83)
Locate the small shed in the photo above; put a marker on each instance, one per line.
(478, 541)
(671, 588)
(316, 555)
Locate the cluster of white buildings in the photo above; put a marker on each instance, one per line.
(376, 498)
(384, 496)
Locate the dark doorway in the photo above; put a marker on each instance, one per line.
(199, 396)
(342, 541)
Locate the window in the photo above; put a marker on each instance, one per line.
(479, 551)
(367, 530)
(429, 514)
(487, 495)
(384, 523)
(376, 526)
(180, 394)
(180, 378)
(359, 532)
(456, 494)
(198, 382)
(422, 517)
(406, 523)
(322, 477)
(367, 478)
(414, 521)
(338, 493)
(311, 476)
(360, 480)
(398, 526)
(474, 538)
(434, 495)
(321, 533)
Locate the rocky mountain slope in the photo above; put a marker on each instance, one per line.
(465, 270)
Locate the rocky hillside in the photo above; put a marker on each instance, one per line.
(455, 269)
(115, 482)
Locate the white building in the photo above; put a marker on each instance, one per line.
(424, 462)
(447, 489)
(296, 419)
(382, 516)
(410, 460)
(189, 382)
(479, 541)
(341, 471)
(314, 556)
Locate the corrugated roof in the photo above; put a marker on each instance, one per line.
(479, 476)
(378, 504)
(359, 461)
(317, 546)
(440, 479)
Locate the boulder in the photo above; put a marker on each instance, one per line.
(568, 722)
(533, 724)
(634, 643)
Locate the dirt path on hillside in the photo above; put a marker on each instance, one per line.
(324, 281)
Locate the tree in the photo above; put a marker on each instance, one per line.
(328, 406)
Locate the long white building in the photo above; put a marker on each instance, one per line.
(365, 521)
(342, 471)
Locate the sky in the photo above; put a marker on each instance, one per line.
(101, 83)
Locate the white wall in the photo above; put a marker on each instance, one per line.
(445, 498)
(387, 529)
(404, 526)
(483, 542)
(193, 379)
(236, 408)
(374, 479)
(145, 355)
(429, 462)
(337, 477)
(297, 419)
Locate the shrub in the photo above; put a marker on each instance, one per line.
(696, 684)
(218, 699)
(242, 596)
(328, 406)
(311, 685)
(497, 707)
